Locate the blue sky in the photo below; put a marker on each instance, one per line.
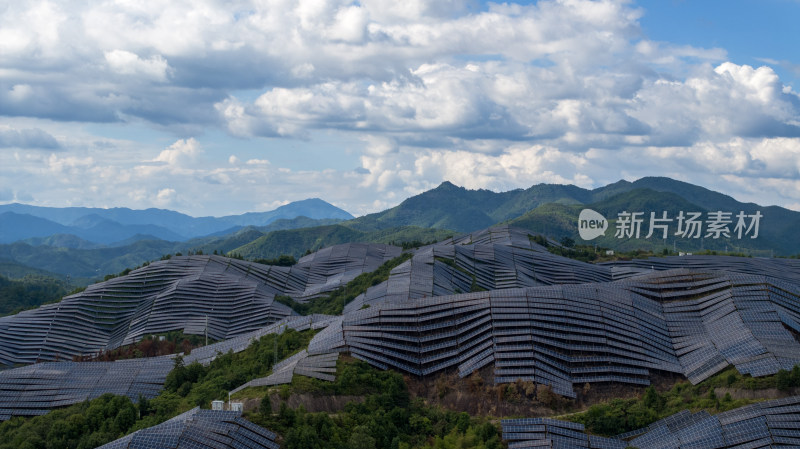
(752, 32)
(214, 108)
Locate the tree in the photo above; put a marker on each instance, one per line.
(360, 439)
(266, 405)
(653, 400)
(125, 418)
(783, 380)
(177, 376)
(144, 406)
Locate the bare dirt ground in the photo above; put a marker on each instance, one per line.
(478, 396)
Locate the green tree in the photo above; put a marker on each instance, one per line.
(653, 400)
(125, 418)
(361, 439)
(266, 405)
(783, 380)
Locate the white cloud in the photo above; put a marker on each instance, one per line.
(165, 197)
(500, 97)
(127, 63)
(517, 166)
(180, 152)
(349, 25)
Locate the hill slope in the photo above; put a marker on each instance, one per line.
(776, 232)
(553, 210)
(297, 242)
(452, 207)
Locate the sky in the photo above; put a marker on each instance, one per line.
(224, 107)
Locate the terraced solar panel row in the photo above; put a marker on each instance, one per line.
(545, 432)
(335, 266)
(200, 429)
(689, 322)
(498, 258)
(37, 388)
(767, 424)
(783, 269)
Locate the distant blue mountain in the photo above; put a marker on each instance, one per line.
(91, 228)
(110, 226)
(16, 226)
(313, 208)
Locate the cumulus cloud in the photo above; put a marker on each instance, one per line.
(165, 197)
(127, 63)
(179, 152)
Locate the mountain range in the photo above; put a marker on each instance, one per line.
(67, 242)
(115, 226)
(553, 210)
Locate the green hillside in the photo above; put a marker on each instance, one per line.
(29, 292)
(452, 207)
(297, 242)
(775, 233)
(229, 241)
(89, 263)
(463, 210)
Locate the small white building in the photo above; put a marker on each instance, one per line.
(217, 405)
(237, 407)
(609, 252)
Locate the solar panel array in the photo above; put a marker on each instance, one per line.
(502, 234)
(199, 429)
(783, 269)
(335, 266)
(545, 318)
(689, 322)
(193, 294)
(34, 389)
(544, 432)
(493, 259)
(767, 424)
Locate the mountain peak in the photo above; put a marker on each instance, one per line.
(447, 185)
